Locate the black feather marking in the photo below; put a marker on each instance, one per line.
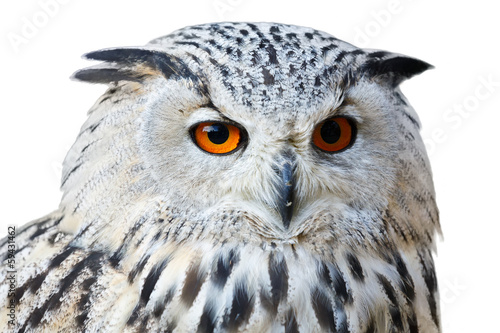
(394, 311)
(341, 317)
(324, 310)
(328, 48)
(378, 54)
(58, 259)
(84, 300)
(341, 55)
(241, 309)
(54, 302)
(253, 27)
(158, 310)
(192, 285)
(431, 299)
(371, 326)
(138, 268)
(144, 322)
(27, 227)
(340, 285)
(156, 236)
(91, 262)
(410, 118)
(80, 319)
(355, 267)
(388, 289)
(274, 29)
(152, 279)
(51, 239)
(207, 321)
(135, 314)
(37, 281)
(400, 98)
(278, 273)
(407, 285)
(197, 45)
(69, 174)
(160, 306)
(412, 322)
(214, 62)
(117, 256)
(357, 52)
(255, 58)
(267, 302)
(278, 38)
(42, 228)
(21, 290)
(271, 51)
(430, 279)
(195, 58)
(430, 275)
(395, 314)
(268, 77)
(291, 325)
(325, 274)
(173, 67)
(224, 268)
(317, 81)
(115, 259)
(87, 283)
(34, 283)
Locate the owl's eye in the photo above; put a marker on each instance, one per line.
(216, 137)
(334, 134)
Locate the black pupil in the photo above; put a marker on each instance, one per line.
(217, 133)
(330, 132)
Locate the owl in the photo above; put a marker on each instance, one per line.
(236, 177)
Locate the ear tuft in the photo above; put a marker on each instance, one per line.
(393, 67)
(122, 54)
(130, 64)
(105, 75)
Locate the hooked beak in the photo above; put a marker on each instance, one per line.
(285, 188)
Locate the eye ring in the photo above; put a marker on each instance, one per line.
(217, 138)
(335, 134)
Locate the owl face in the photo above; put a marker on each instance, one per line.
(250, 176)
(284, 125)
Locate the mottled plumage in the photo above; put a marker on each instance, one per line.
(155, 234)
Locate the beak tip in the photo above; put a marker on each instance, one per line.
(286, 212)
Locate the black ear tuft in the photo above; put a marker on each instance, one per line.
(123, 55)
(106, 75)
(122, 64)
(395, 68)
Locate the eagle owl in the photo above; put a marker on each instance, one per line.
(254, 177)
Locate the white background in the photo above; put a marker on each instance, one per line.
(42, 110)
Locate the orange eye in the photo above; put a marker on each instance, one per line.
(334, 134)
(216, 138)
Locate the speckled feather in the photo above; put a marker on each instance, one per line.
(153, 234)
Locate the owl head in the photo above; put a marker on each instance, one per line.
(252, 133)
